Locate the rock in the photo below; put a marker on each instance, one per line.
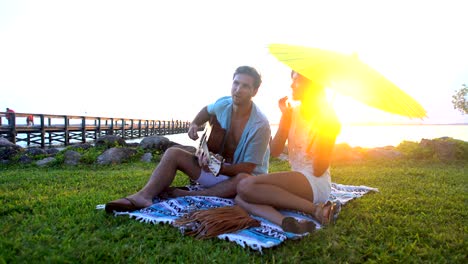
(155, 143)
(35, 152)
(5, 142)
(147, 157)
(44, 162)
(52, 151)
(8, 149)
(110, 141)
(115, 155)
(83, 146)
(72, 157)
(24, 159)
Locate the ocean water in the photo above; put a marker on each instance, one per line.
(370, 136)
(366, 136)
(392, 135)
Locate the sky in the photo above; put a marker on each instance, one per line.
(168, 59)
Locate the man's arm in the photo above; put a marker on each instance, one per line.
(202, 117)
(234, 169)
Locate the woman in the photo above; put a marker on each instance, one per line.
(311, 128)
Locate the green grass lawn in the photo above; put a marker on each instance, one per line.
(48, 215)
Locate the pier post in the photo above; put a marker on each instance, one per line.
(110, 131)
(41, 119)
(12, 123)
(67, 136)
(123, 128)
(83, 129)
(97, 134)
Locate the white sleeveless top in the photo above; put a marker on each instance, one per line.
(303, 135)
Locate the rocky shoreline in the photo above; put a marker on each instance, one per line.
(114, 150)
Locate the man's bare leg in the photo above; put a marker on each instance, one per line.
(225, 189)
(173, 159)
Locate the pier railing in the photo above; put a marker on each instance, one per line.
(54, 130)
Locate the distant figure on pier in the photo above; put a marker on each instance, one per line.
(30, 120)
(245, 149)
(9, 115)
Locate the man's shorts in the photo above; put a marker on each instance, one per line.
(207, 179)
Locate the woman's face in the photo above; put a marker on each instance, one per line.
(299, 86)
(305, 89)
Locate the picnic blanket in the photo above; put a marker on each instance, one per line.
(257, 238)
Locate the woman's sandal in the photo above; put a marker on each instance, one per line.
(126, 204)
(292, 225)
(330, 218)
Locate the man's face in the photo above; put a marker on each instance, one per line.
(242, 89)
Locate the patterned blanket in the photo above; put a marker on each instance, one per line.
(266, 236)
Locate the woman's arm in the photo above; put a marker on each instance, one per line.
(278, 142)
(323, 154)
(325, 144)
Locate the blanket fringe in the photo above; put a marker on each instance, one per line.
(215, 221)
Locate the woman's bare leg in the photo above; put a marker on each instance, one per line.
(265, 211)
(283, 190)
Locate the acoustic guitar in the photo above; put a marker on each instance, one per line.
(211, 146)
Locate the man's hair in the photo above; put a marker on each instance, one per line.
(252, 72)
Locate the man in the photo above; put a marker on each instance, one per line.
(9, 115)
(245, 149)
(30, 120)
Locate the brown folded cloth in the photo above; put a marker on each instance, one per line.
(213, 222)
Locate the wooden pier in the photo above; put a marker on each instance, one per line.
(53, 130)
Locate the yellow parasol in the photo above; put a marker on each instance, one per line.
(349, 76)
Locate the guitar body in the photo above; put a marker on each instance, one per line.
(211, 146)
(215, 140)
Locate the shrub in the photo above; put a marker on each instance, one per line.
(414, 150)
(461, 147)
(90, 155)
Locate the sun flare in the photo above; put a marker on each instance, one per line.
(350, 111)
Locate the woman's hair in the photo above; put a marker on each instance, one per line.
(252, 72)
(292, 73)
(312, 89)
